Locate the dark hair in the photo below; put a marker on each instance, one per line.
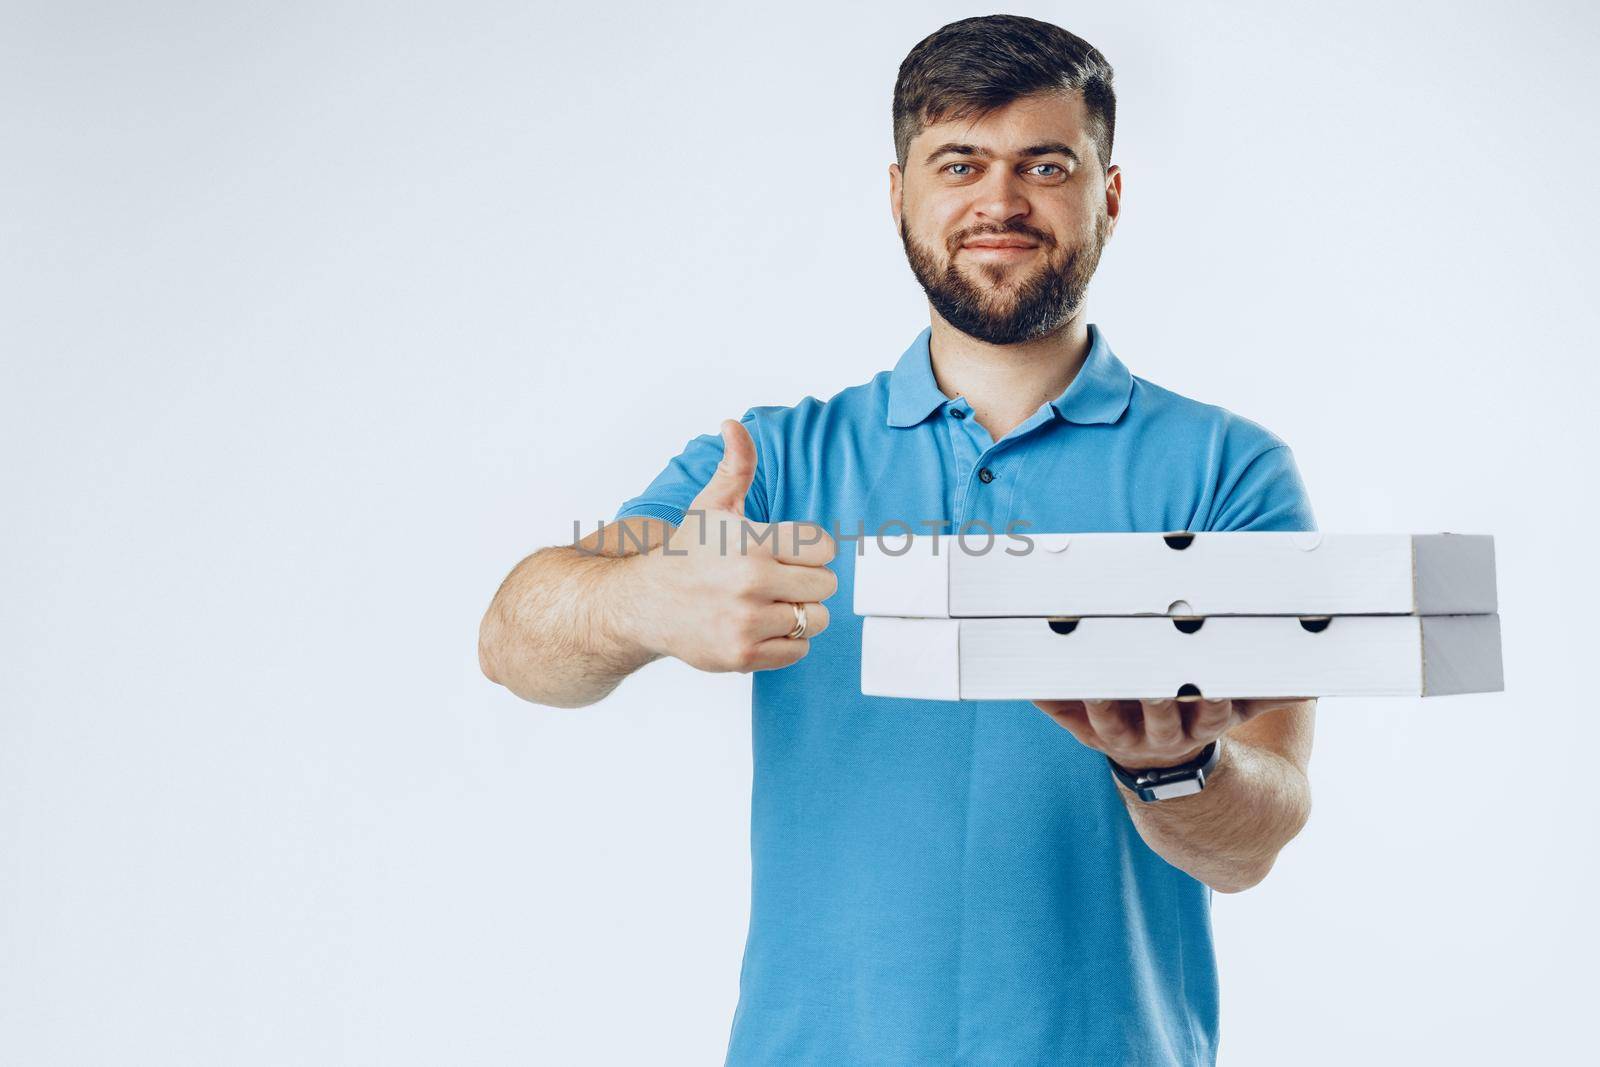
(976, 66)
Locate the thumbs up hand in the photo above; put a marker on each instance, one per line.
(718, 592)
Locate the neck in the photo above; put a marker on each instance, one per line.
(1005, 384)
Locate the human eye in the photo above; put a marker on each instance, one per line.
(949, 165)
(1061, 171)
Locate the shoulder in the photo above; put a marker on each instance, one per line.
(864, 404)
(1225, 437)
(1246, 475)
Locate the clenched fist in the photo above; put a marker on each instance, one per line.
(718, 593)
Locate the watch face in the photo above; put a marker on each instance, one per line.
(1181, 788)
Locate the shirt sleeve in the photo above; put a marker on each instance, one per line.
(670, 494)
(1268, 494)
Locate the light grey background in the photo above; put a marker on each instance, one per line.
(318, 317)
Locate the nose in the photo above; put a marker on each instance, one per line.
(1002, 196)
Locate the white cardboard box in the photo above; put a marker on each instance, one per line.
(1224, 656)
(1236, 573)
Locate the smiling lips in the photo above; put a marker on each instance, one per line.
(1000, 247)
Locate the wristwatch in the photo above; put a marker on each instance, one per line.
(1163, 783)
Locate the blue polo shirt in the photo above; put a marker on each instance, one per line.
(943, 882)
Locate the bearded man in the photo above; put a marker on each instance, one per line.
(954, 882)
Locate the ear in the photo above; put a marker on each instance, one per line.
(895, 192)
(1113, 195)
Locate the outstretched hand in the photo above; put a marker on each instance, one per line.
(1154, 733)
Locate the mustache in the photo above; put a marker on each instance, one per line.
(1024, 232)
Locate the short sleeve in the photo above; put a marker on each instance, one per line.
(669, 495)
(1268, 494)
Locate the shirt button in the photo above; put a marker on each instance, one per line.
(957, 413)
(985, 475)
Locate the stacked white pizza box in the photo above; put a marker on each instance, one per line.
(1150, 615)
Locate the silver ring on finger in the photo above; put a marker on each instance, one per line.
(799, 620)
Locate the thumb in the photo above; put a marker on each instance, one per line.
(731, 480)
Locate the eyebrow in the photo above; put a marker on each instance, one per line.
(1043, 149)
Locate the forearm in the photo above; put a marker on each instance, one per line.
(562, 630)
(1229, 834)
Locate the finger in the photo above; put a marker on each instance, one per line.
(730, 482)
(1249, 709)
(803, 543)
(778, 619)
(791, 581)
(1212, 717)
(778, 652)
(1163, 724)
(1073, 717)
(1108, 721)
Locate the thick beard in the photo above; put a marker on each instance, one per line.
(1048, 300)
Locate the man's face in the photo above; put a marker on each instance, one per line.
(1028, 174)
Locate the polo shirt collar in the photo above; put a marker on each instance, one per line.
(1098, 392)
